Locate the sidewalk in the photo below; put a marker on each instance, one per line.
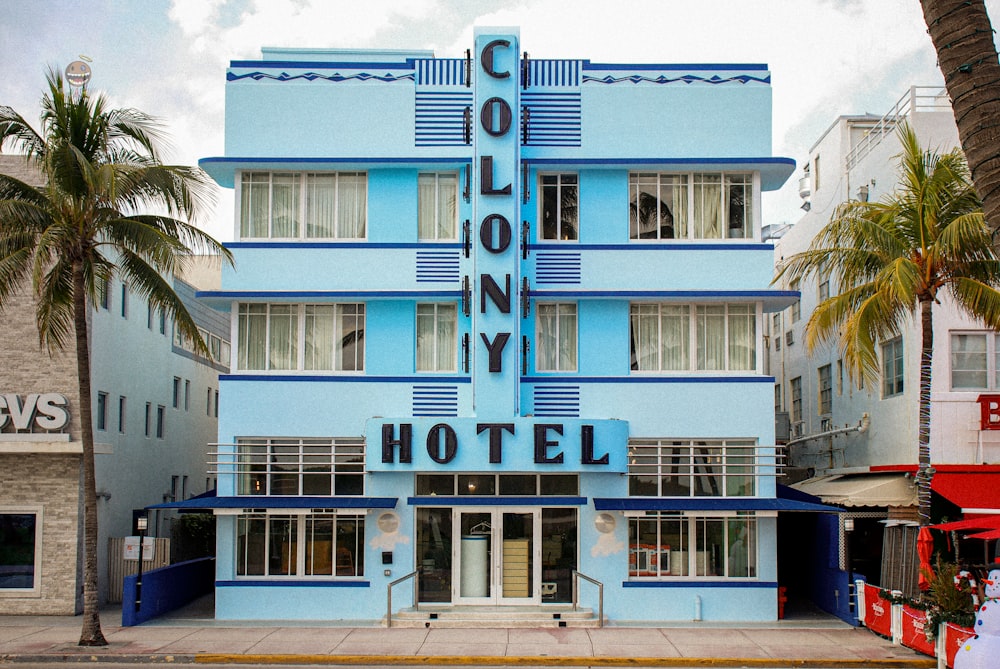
(183, 639)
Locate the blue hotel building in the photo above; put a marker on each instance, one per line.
(496, 321)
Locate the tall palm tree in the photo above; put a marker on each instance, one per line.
(893, 259)
(87, 224)
(963, 38)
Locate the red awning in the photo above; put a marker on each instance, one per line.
(984, 523)
(988, 534)
(967, 490)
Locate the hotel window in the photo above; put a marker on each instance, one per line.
(177, 392)
(692, 468)
(187, 394)
(330, 337)
(892, 367)
(825, 378)
(555, 338)
(724, 337)
(148, 430)
(104, 293)
(437, 337)
(796, 308)
(149, 315)
(975, 361)
(437, 215)
(161, 417)
(796, 393)
(293, 205)
(690, 206)
(20, 559)
(675, 545)
(310, 544)
(102, 411)
(124, 301)
(823, 289)
(560, 210)
(163, 322)
(777, 398)
(300, 467)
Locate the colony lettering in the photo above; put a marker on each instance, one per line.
(494, 231)
(47, 410)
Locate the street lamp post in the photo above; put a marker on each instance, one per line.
(141, 524)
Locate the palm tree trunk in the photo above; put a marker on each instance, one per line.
(924, 470)
(91, 634)
(963, 38)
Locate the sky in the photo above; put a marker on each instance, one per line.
(169, 57)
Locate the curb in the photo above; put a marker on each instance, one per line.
(546, 661)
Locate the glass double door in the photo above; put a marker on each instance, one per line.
(496, 555)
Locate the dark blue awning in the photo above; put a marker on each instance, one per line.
(211, 501)
(779, 503)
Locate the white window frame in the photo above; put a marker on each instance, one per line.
(298, 314)
(824, 390)
(438, 188)
(440, 316)
(260, 461)
(560, 307)
(689, 182)
(894, 384)
(36, 589)
(694, 331)
(693, 563)
(992, 366)
(300, 518)
(699, 462)
(301, 182)
(558, 186)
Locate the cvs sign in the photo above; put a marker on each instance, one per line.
(47, 411)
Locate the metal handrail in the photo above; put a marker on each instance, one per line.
(600, 594)
(388, 598)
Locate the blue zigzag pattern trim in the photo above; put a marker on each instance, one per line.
(686, 79)
(312, 76)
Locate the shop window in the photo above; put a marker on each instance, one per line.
(293, 205)
(320, 467)
(685, 468)
(20, 543)
(665, 545)
(724, 337)
(560, 211)
(313, 337)
(313, 545)
(691, 206)
(437, 337)
(437, 214)
(480, 484)
(555, 337)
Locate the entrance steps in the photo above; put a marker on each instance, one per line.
(495, 616)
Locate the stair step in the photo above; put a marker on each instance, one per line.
(494, 616)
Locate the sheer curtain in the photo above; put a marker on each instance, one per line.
(319, 331)
(645, 326)
(426, 331)
(321, 205)
(707, 206)
(427, 206)
(742, 337)
(351, 206)
(711, 330)
(254, 207)
(447, 321)
(350, 337)
(567, 337)
(285, 205)
(546, 356)
(447, 215)
(252, 332)
(283, 337)
(675, 344)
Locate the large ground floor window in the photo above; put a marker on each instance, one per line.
(307, 545)
(672, 545)
(20, 541)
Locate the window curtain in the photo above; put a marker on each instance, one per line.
(968, 361)
(739, 205)
(645, 337)
(351, 208)
(447, 214)
(319, 333)
(567, 337)
(283, 336)
(252, 329)
(742, 337)
(711, 331)
(427, 206)
(254, 205)
(707, 206)
(675, 345)
(447, 321)
(546, 357)
(742, 553)
(284, 205)
(321, 205)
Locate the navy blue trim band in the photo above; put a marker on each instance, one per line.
(677, 245)
(306, 244)
(293, 584)
(317, 294)
(699, 584)
(345, 378)
(541, 380)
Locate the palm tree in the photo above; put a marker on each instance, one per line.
(68, 238)
(963, 38)
(894, 259)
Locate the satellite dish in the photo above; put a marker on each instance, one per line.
(77, 74)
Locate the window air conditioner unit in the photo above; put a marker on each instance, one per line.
(789, 338)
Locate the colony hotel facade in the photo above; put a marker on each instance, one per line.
(496, 320)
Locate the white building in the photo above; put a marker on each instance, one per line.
(154, 408)
(858, 448)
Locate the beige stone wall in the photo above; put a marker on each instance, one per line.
(49, 483)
